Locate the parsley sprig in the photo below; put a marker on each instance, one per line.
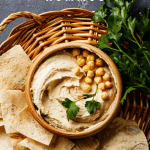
(73, 109)
(134, 62)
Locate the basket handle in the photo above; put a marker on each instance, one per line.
(16, 15)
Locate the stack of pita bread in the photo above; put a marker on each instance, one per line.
(20, 131)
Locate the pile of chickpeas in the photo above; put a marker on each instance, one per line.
(92, 66)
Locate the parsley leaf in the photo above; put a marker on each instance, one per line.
(131, 25)
(134, 62)
(103, 42)
(100, 14)
(114, 24)
(92, 106)
(126, 33)
(119, 3)
(129, 4)
(144, 25)
(106, 3)
(67, 102)
(72, 110)
(124, 15)
(145, 59)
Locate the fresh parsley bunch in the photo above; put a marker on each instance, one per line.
(73, 109)
(134, 61)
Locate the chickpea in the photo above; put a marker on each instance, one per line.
(99, 62)
(108, 84)
(81, 62)
(98, 80)
(90, 64)
(80, 56)
(88, 80)
(76, 71)
(85, 53)
(95, 68)
(90, 73)
(104, 96)
(86, 88)
(100, 71)
(75, 51)
(86, 68)
(106, 77)
(90, 57)
(101, 86)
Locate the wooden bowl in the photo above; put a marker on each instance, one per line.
(90, 131)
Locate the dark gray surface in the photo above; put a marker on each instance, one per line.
(39, 6)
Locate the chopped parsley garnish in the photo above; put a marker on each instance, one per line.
(73, 110)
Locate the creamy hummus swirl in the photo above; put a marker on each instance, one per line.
(54, 81)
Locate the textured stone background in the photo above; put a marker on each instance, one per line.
(39, 6)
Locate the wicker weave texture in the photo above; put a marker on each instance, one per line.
(52, 28)
(69, 25)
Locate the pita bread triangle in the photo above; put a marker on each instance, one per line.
(12, 102)
(25, 124)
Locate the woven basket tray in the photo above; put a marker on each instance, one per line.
(74, 24)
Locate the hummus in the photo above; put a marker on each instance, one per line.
(54, 81)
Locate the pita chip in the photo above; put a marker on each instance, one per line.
(14, 66)
(122, 134)
(76, 148)
(1, 122)
(5, 143)
(89, 143)
(25, 124)
(20, 148)
(12, 102)
(0, 112)
(60, 144)
(16, 138)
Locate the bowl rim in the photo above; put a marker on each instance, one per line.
(63, 133)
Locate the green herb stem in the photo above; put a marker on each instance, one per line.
(114, 49)
(136, 41)
(141, 86)
(125, 25)
(146, 58)
(134, 62)
(95, 92)
(79, 99)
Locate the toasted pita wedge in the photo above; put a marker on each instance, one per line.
(25, 124)
(5, 143)
(14, 66)
(20, 148)
(76, 148)
(121, 134)
(12, 102)
(89, 143)
(1, 122)
(60, 144)
(0, 112)
(16, 138)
